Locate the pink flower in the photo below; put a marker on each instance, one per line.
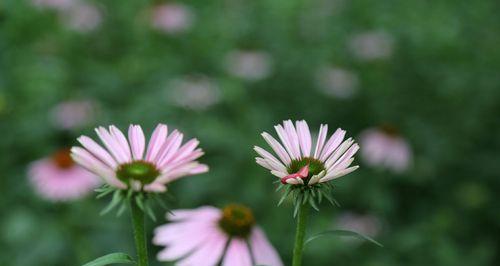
(298, 164)
(199, 237)
(53, 4)
(365, 224)
(194, 92)
(249, 65)
(385, 148)
(82, 17)
(371, 45)
(337, 82)
(73, 114)
(59, 179)
(127, 164)
(172, 18)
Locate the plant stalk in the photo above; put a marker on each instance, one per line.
(300, 234)
(139, 234)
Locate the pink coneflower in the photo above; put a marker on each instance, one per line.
(386, 148)
(337, 82)
(82, 17)
(60, 179)
(298, 164)
(194, 92)
(125, 164)
(200, 236)
(172, 18)
(73, 114)
(365, 224)
(53, 4)
(249, 65)
(371, 45)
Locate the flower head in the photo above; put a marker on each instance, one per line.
(251, 65)
(337, 82)
(385, 147)
(58, 178)
(298, 163)
(200, 237)
(73, 114)
(194, 92)
(126, 164)
(371, 45)
(172, 18)
(303, 171)
(82, 17)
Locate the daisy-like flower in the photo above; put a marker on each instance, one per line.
(299, 163)
(58, 178)
(73, 114)
(125, 164)
(200, 237)
(172, 18)
(384, 147)
(251, 65)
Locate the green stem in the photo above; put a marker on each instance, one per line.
(139, 234)
(300, 234)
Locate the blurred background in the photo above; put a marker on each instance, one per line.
(415, 82)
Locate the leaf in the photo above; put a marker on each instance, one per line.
(114, 202)
(112, 258)
(343, 233)
(149, 211)
(313, 203)
(285, 195)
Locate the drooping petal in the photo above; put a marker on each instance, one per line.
(263, 252)
(278, 148)
(98, 151)
(338, 152)
(237, 254)
(170, 148)
(209, 253)
(204, 211)
(272, 161)
(334, 175)
(86, 160)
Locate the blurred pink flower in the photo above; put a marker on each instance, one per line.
(73, 114)
(123, 163)
(368, 225)
(297, 165)
(200, 236)
(82, 17)
(385, 148)
(59, 179)
(172, 18)
(371, 45)
(249, 65)
(193, 92)
(337, 82)
(53, 4)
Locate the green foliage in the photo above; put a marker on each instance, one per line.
(113, 258)
(343, 233)
(440, 88)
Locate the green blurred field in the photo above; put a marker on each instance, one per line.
(440, 86)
